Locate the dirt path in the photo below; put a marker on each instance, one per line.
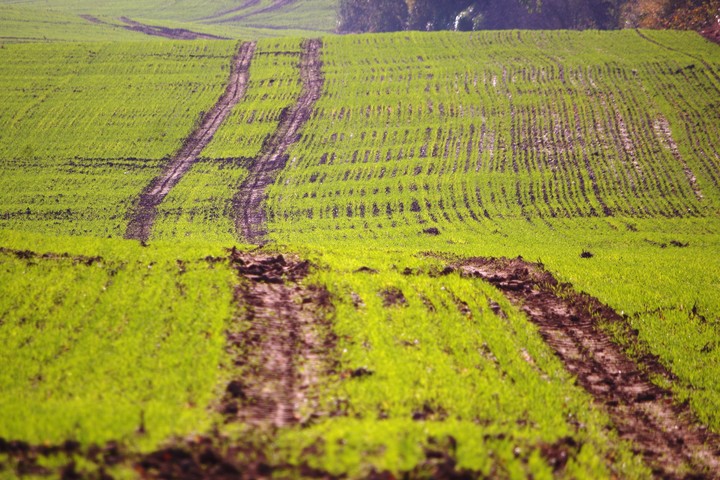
(250, 218)
(173, 33)
(245, 5)
(281, 354)
(143, 215)
(277, 5)
(664, 433)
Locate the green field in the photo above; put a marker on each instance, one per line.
(84, 20)
(423, 148)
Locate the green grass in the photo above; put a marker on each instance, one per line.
(510, 150)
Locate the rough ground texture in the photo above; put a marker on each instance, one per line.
(280, 344)
(278, 360)
(281, 354)
(143, 216)
(250, 218)
(173, 33)
(663, 432)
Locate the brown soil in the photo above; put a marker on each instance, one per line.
(143, 215)
(250, 218)
(673, 445)
(173, 33)
(281, 355)
(277, 5)
(92, 19)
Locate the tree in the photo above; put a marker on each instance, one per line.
(372, 16)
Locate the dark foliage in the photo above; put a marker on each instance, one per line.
(394, 15)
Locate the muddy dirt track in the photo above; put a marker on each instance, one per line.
(172, 33)
(277, 5)
(143, 216)
(250, 218)
(662, 432)
(282, 351)
(155, 30)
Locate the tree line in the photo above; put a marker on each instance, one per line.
(396, 15)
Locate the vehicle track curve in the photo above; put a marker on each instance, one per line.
(142, 217)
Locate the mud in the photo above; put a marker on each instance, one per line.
(250, 217)
(277, 5)
(664, 433)
(172, 33)
(283, 352)
(143, 215)
(31, 256)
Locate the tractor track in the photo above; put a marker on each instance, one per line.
(277, 5)
(165, 32)
(245, 5)
(143, 215)
(663, 432)
(281, 354)
(250, 217)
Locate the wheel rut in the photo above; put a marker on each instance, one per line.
(281, 352)
(165, 32)
(142, 217)
(277, 5)
(664, 433)
(250, 218)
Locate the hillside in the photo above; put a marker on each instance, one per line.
(33, 20)
(448, 255)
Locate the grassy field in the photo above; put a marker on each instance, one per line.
(423, 147)
(41, 20)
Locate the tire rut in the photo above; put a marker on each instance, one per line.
(282, 352)
(247, 4)
(277, 5)
(143, 215)
(165, 32)
(250, 217)
(643, 413)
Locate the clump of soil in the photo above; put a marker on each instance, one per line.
(393, 296)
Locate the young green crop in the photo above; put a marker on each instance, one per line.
(85, 127)
(96, 348)
(540, 144)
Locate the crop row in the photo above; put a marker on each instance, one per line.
(460, 133)
(84, 127)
